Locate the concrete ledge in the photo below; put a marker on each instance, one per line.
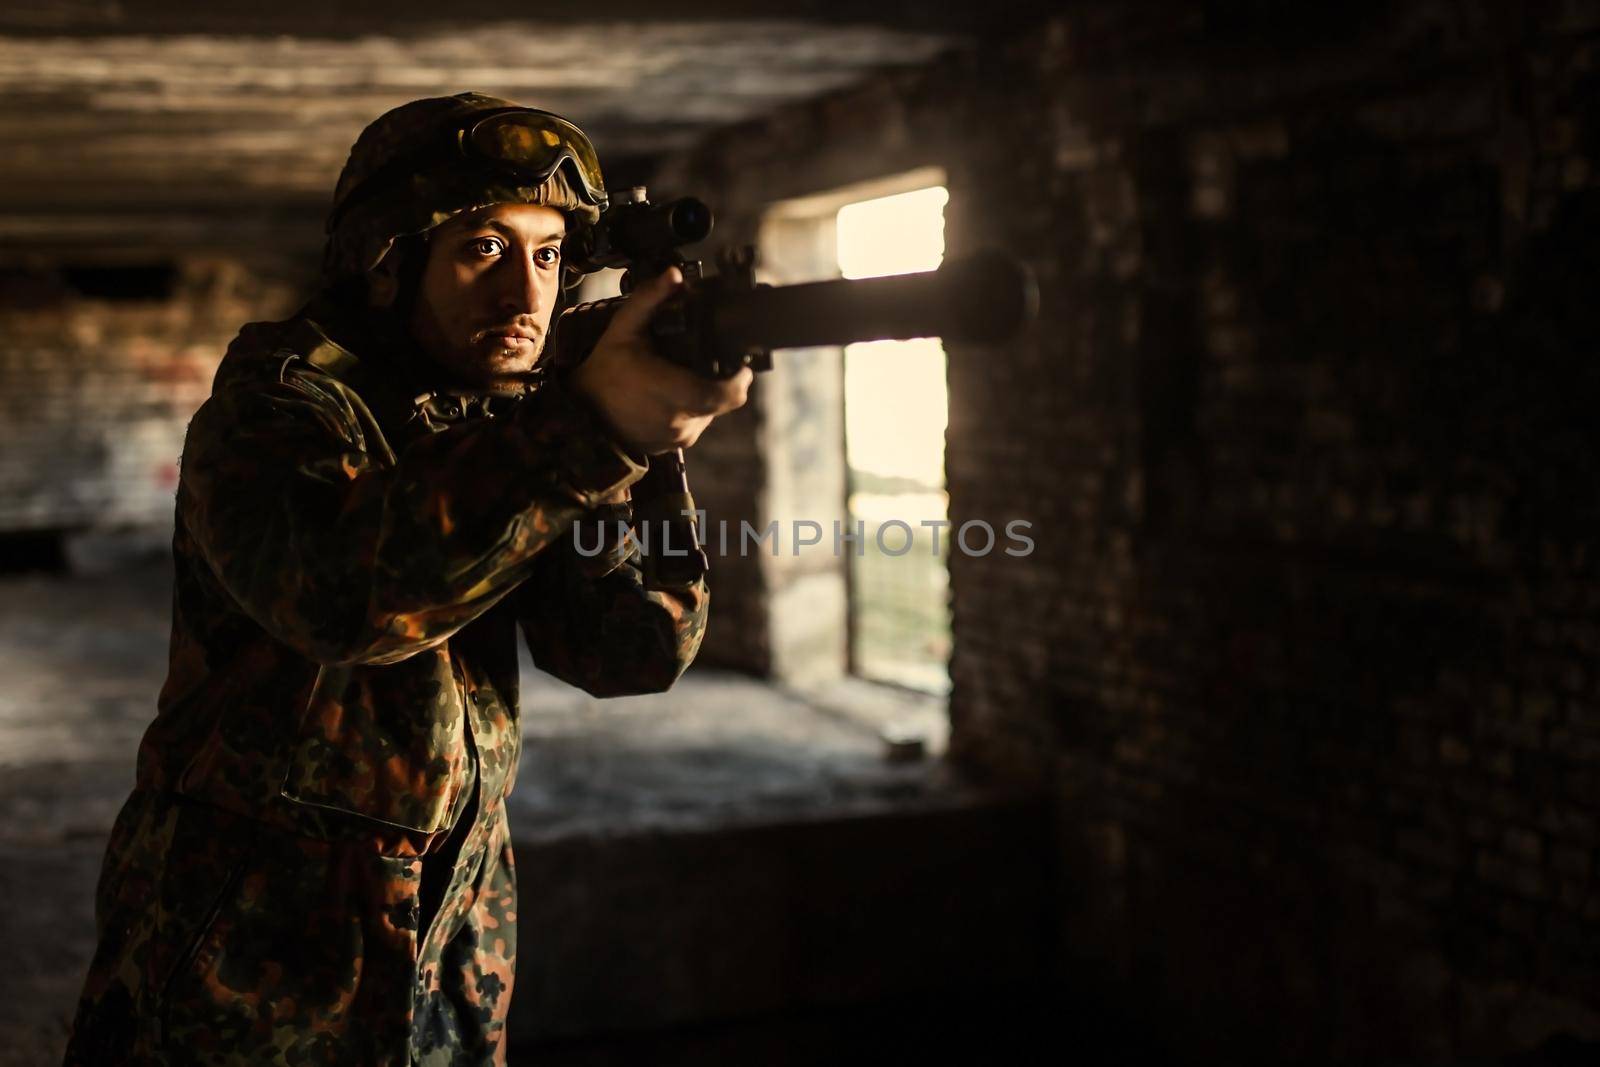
(727, 851)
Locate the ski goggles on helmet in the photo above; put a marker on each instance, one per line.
(534, 143)
(526, 144)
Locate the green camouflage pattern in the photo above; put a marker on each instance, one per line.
(314, 866)
(430, 196)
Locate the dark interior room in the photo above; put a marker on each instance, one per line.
(1154, 600)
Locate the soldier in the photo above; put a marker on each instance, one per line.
(314, 865)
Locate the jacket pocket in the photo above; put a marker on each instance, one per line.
(203, 865)
(385, 743)
(301, 931)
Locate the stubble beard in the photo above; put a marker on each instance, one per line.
(498, 379)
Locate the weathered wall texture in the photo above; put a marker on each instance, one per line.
(95, 390)
(1306, 429)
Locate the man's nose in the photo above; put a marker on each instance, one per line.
(519, 289)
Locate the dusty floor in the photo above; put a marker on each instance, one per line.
(82, 660)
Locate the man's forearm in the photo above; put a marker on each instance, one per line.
(351, 558)
(609, 636)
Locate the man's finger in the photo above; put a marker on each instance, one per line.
(683, 390)
(719, 397)
(634, 314)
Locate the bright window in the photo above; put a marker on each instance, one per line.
(896, 410)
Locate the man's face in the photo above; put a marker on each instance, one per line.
(487, 291)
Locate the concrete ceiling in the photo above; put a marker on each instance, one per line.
(130, 126)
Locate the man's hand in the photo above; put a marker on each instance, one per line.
(652, 405)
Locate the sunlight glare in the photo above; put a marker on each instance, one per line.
(899, 234)
(896, 407)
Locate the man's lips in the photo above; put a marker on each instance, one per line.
(508, 337)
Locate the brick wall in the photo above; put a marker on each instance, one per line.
(1306, 430)
(100, 369)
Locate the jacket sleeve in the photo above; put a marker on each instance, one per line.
(605, 632)
(350, 554)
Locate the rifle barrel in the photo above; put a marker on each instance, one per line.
(983, 297)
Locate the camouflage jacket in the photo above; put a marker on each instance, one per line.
(355, 552)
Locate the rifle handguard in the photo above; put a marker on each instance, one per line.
(719, 325)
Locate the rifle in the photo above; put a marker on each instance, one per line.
(721, 323)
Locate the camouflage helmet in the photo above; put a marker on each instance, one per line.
(395, 183)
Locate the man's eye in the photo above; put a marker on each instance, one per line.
(549, 256)
(486, 246)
